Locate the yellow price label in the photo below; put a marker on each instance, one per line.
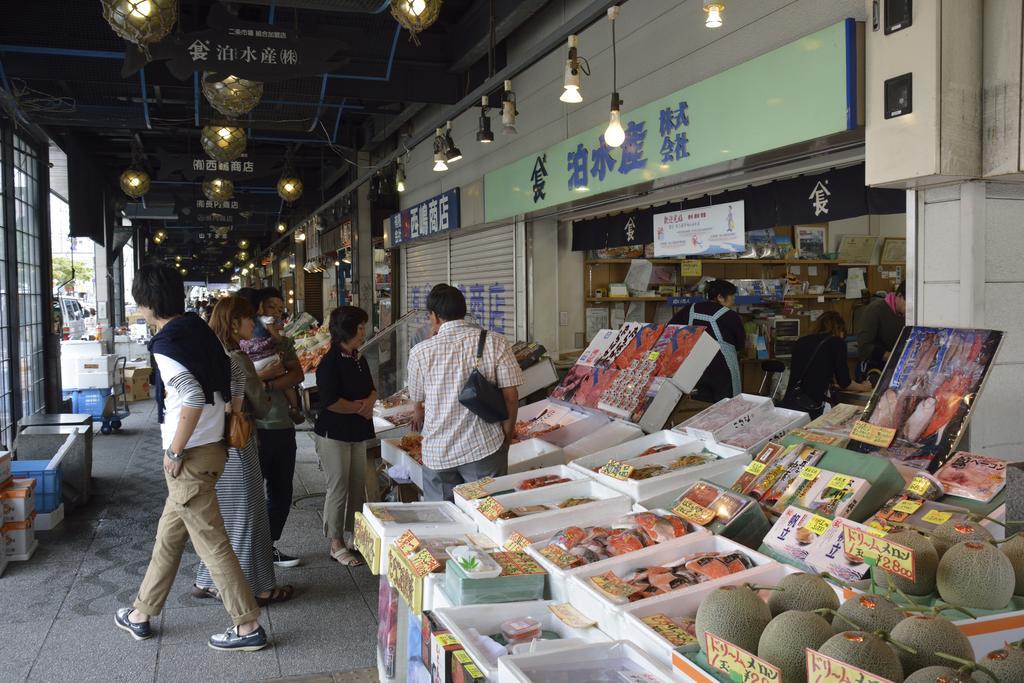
(810, 473)
(735, 661)
(474, 489)
(490, 509)
(889, 556)
(616, 470)
(908, 506)
(691, 268)
(669, 630)
(407, 543)
(612, 585)
(557, 556)
(755, 468)
(517, 542)
(653, 355)
(693, 512)
(937, 517)
(920, 486)
(824, 669)
(423, 563)
(808, 435)
(840, 482)
(874, 435)
(818, 524)
(570, 616)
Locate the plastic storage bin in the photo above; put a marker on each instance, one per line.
(532, 454)
(89, 401)
(48, 482)
(595, 663)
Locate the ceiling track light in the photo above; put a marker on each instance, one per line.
(574, 67)
(614, 135)
(508, 110)
(452, 153)
(483, 133)
(440, 149)
(713, 9)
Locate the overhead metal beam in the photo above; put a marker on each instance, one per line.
(474, 29)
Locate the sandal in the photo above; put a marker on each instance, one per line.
(279, 594)
(204, 593)
(346, 557)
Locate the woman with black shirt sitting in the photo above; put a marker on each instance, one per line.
(819, 359)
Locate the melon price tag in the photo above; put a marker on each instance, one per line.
(558, 557)
(616, 470)
(810, 473)
(908, 506)
(490, 509)
(818, 524)
(873, 434)
(473, 489)
(824, 669)
(423, 563)
(570, 616)
(891, 557)
(407, 543)
(669, 630)
(612, 585)
(755, 468)
(738, 663)
(517, 542)
(937, 517)
(920, 486)
(840, 482)
(693, 512)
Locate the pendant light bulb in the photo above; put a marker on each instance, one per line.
(282, 228)
(571, 82)
(713, 9)
(400, 177)
(614, 135)
(508, 110)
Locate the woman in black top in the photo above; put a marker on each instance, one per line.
(722, 377)
(819, 359)
(343, 426)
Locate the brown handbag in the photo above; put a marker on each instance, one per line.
(239, 430)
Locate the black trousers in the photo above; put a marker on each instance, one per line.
(277, 461)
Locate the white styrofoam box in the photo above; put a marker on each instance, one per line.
(666, 399)
(391, 453)
(539, 525)
(697, 361)
(5, 466)
(606, 436)
(540, 375)
(728, 428)
(585, 597)
(381, 425)
(434, 594)
(644, 490)
(558, 578)
(788, 419)
(577, 662)
(81, 349)
(533, 454)
(487, 621)
(576, 423)
(104, 363)
(88, 380)
(439, 519)
(49, 520)
(680, 604)
(510, 482)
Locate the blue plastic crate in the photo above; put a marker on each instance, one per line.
(48, 483)
(88, 401)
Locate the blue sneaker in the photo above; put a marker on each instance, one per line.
(139, 631)
(231, 641)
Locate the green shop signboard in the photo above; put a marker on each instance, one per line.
(801, 91)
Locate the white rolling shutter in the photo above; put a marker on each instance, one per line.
(483, 266)
(423, 266)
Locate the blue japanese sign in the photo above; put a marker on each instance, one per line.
(432, 217)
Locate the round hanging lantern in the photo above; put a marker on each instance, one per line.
(223, 143)
(135, 182)
(218, 189)
(289, 188)
(232, 96)
(141, 21)
(415, 15)
(243, 244)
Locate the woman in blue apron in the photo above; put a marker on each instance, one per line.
(722, 378)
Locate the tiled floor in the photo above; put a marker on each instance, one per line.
(56, 610)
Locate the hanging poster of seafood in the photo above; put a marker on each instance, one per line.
(927, 392)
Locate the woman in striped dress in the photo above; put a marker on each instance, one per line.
(240, 493)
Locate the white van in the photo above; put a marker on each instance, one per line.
(72, 318)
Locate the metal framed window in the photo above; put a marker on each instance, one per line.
(28, 231)
(6, 390)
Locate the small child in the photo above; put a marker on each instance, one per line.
(262, 350)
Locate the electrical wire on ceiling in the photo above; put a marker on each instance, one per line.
(30, 99)
(337, 149)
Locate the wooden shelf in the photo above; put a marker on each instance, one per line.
(746, 262)
(617, 299)
(827, 296)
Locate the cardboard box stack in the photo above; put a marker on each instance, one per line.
(17, 514)
(136, 383)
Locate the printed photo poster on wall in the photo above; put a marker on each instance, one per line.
(927, 392)
(717, 229)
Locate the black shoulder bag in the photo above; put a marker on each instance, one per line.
(479, 395)
(796, 398)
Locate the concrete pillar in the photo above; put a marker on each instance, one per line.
(362, 245)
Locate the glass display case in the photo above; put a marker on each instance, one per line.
(387, 352)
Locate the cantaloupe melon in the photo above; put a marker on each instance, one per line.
(926, 562)
(949, 533)
(864, 651)
(870, 613)
(1014, 549)
(803, 592)
(976, 574)
(784, 639)
(1007, 664)
(928, 634)
(735, 614)
(935, 674)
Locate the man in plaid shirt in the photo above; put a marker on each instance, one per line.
(458, 446)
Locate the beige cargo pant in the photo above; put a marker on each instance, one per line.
(191, 511)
